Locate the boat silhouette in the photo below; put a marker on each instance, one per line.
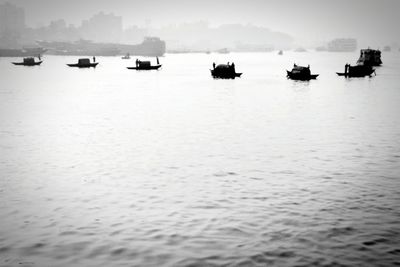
(145, 65)
(356, 71)
(224, 71)
(301, 73)
(28, 61)
(84, 63)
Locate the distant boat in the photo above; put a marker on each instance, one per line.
(28, 61)
(151, 46)
(223, 51)
(127, 56)
(370, 57)
(342, 45)
(300, 49)
(356, 71)
(225, 71)
(280, 52)
(84, 63)
(387, 49)
(321, 49)
(145, 65)
(301, 73)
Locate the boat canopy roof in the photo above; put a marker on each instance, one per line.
(301, 69)
(144, 64)
(29, 60)
(84, 61)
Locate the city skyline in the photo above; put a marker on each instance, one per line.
(309, 22)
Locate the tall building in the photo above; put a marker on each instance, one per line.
(12, 25)
(102, 28)
(12, 19)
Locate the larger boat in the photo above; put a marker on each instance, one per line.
(80, 48)
(151, 46)
(356, 71)
(342, 45)
(370, 57)
(23, 52)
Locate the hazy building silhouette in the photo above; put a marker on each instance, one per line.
(102, 28)
(12, 24)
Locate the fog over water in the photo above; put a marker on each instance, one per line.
(373, 22)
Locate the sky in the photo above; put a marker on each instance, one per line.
(370, 21)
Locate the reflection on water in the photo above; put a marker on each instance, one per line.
(113, 167)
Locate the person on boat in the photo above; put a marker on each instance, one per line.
(233, 66)
(94, 59)
(39, 56)
(227, 63)
(214, 65)
(137, 63)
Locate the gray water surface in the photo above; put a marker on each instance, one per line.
(114, 167)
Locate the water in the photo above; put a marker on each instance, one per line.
(113, 167)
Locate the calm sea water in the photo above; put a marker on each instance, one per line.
(113, 167)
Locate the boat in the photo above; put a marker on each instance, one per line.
(370, 57)
(301, 73)
(342, 45)
(84, 63)
(145, 65)
(28, 61)
(280, 52)
(224, 71)
(356, 71)
(151, 46)
(127, 56)
(300, 49)
(223, 51)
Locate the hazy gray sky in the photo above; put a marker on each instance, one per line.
(374, 21)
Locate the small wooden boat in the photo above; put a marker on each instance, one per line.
(301, 73)
(280, 52)
(145, 65)
(225, 71)
(28, 61)
(357, 71)
(84, 63)
(127, 56)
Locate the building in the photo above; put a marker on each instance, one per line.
(102, 28)
(12, 24)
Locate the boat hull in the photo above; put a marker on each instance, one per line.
(357, 72)
(353, 75)
(225, 74)
(27, 64)
(156, 67)
(301, 77)
(91, 65)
